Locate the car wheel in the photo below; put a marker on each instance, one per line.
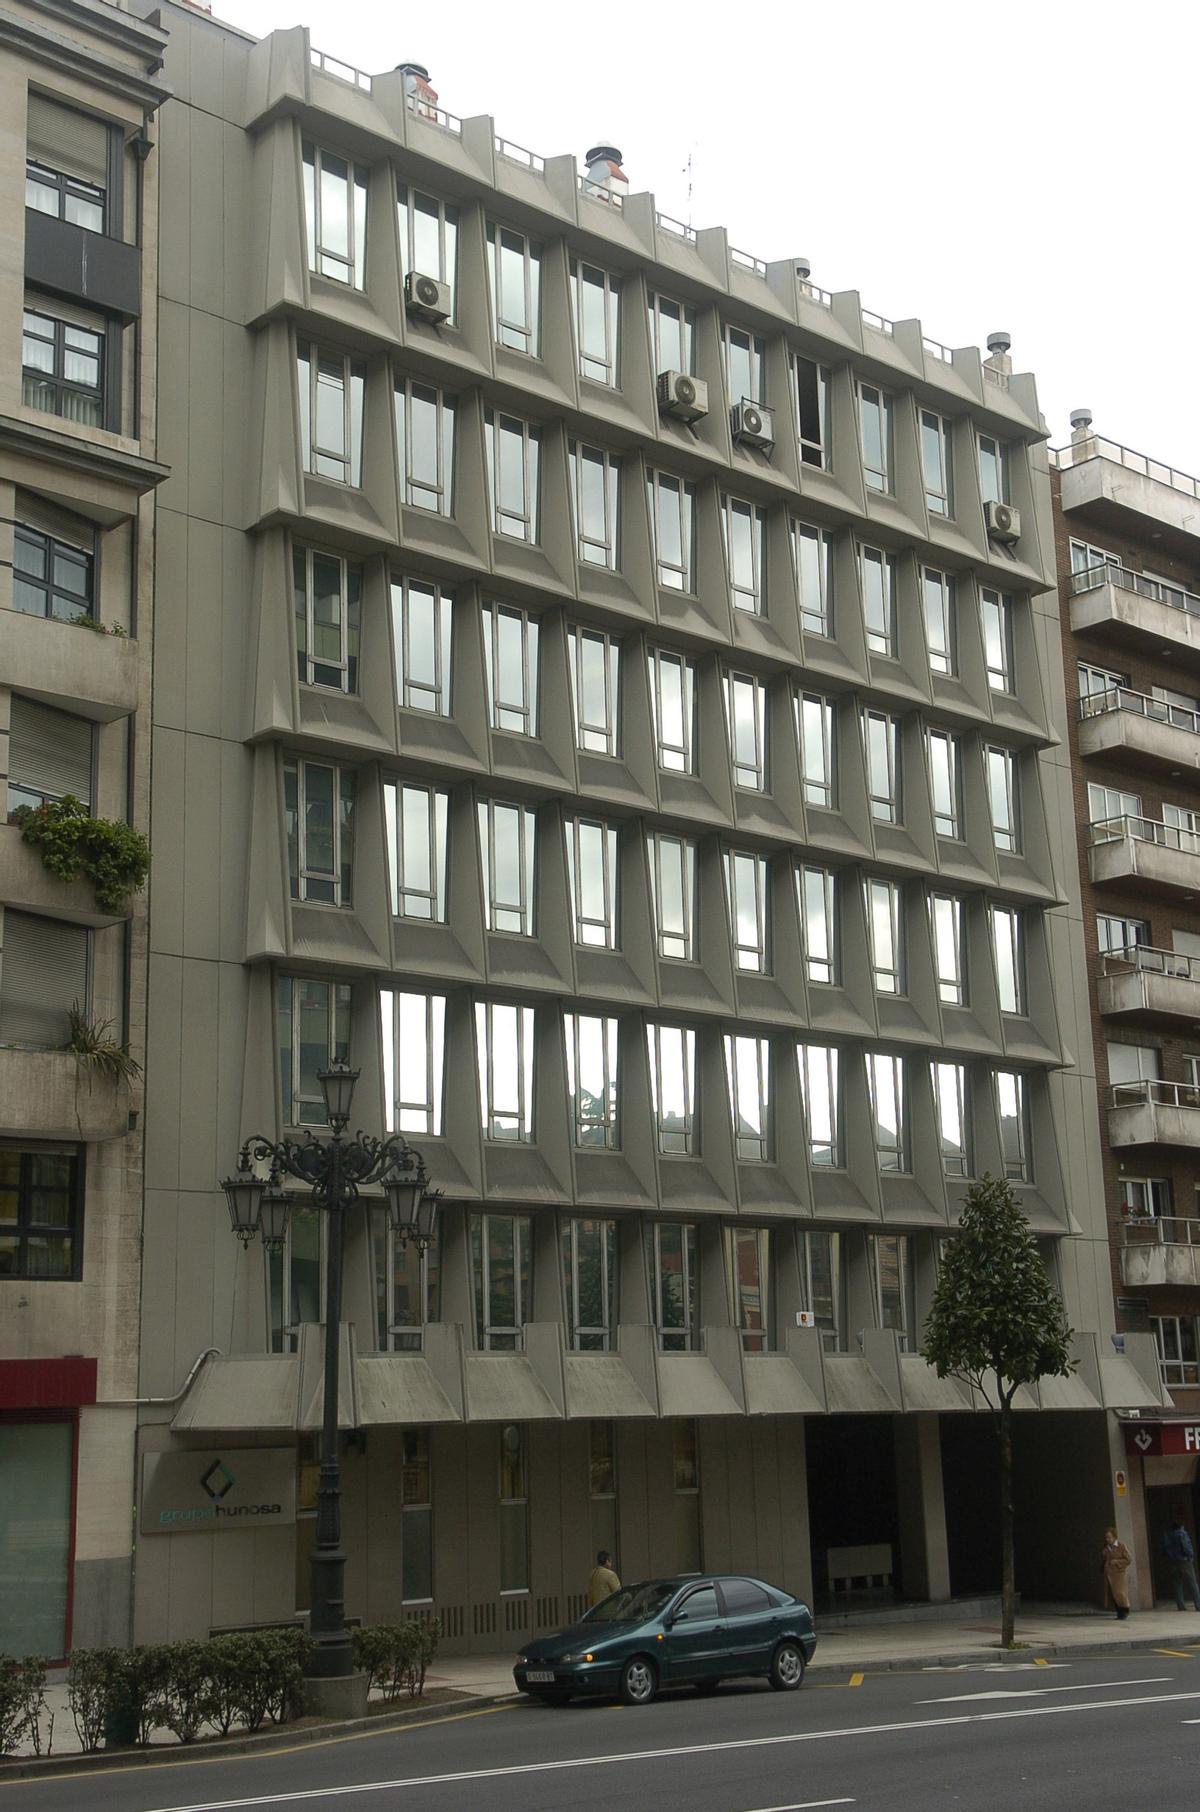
(639, 1681)
(787, 1667)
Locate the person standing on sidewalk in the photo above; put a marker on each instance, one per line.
(1116, 1561)
(604, 1581)
(1177, 1546)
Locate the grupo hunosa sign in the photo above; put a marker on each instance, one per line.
(203, 1491)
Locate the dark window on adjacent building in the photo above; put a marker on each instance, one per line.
(68, 165)
(40, 1210)
(51, 577)
(62, 367)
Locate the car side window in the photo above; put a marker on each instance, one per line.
(698, 1606)
(743, 1598)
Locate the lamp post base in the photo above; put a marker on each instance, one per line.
(335, 1697)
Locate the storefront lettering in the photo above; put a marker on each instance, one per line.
(211, 1512)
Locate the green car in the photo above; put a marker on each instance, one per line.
(697, 1630)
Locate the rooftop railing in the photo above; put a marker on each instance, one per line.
(1158, 589)
(518, 154)
(999, 378)
(1149, 1092)
(1095, 448)
(936, 350)
(598, 192)
(341, 72)
(434, 116)
(668, 224)
(1146, 960)
(1123, 698)
(1145, 830)
(815, 293)
(1167, 1230)
(748, 261)
(880, 323)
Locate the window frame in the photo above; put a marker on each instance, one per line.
(524, 335)
(487, 1331)
(350, 596)
(823, 1153)
(818, 782)
(684, 330)
(946, 932)
(891, 1067)
(684, 751)
(25, 1229)
(607, 550)
(945, 786)
(494, 614)
(582, 921)
(734, 678)
(52, 547)
(437, 815)
(425, 1117)
(1000, 460)
(939, 598)
(524, 1028)
(1008, 947)
(939, 489)
(595, 735)
(751, 1303)
(886, 804)
(590, 1337)
(607, 1123)
(755, 354)
(828, 920)
(660, 484)
(352, 378)
(808, 406)
(610, 287)
(1006, 831)
(497, 423)
(681, 1336)
(996, 611)
(66, 188)
(956, 1161)
(685, 1139)
(751, 586)
(756, 884)
(1015, 1159)
(879, 623)
(494, 834)
(883, 403)
(406, 391)
(689, 898)
(339, 1019)
(814, 619)
(344, 804)
(357, 181)
(741, 1049)
(884, 904)
(104, 393)
(446, 215)
(438, 688)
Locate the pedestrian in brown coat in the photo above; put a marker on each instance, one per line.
(1116, 1560)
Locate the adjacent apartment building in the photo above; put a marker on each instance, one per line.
(79, 86)
(1128, 532)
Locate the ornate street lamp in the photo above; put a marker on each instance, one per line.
(334, 1171)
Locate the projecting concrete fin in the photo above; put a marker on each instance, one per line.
(312, 1376)
(401, 1389)
(250, 1390)
(853, 1388)
(503, 1387)
(601, 1385)
(689, 1384)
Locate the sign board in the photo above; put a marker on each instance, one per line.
(1120, 1483)
(1163, 1437)
(209, 1491)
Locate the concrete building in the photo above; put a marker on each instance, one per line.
(610, 688)
(1128, 533)
(79, 87)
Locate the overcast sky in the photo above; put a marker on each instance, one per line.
(1024, 164)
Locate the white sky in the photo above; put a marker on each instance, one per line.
(1056, 139)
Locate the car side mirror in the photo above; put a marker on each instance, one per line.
(668, 1622)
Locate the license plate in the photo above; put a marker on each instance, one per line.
(540, 1676)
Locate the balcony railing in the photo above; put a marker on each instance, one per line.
(1144, 830)
(1146, 960)
(935, 350)
(1170, 1230)
(518, 154)
(341, 72)
(748, 262)
(1122, 698)
(815, 293)
(434, 116)
(1096, 448)
(880, 323)
(598, 192)
(1148, 1092)
(1111, 574)
(678, 229)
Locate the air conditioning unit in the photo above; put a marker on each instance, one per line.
(426, 298)
(682, 396)
(805, 1318)
(753, 426)
(1003, 522)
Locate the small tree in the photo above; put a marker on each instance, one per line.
(997, 1323)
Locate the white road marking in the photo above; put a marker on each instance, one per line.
(993, 1667)
(1038, 1692)
(806, 1805)
(662, 1755)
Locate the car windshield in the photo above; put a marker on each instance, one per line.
(634, 1604)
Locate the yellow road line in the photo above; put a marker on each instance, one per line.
(1040, 1661)
(855, 1680)
(1182, 1653)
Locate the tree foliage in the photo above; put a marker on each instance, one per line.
(113, 856)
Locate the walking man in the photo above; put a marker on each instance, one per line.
(604, 1580)
(1177, 1546)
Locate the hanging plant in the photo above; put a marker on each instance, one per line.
(114, 857)
(96, 1049)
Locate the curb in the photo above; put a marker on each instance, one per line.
(1080, 1651)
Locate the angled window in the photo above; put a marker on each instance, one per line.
(67, 164)
(414, 1061)
(875, 422)
(421, 629)
(749, 1252)
(675, 1284)
(510, 652)
(894, 1295)
(425, 418)
(296, 1280)
(331, 413)
(593, 873)
(673, 521)
(747, 885)
(812, 383)
(673, 701)
(54, 560)
(1012, 1105)
(514, 451)
(595, 669)
(328, 595)
(945, 784)
(313, 1020)
(407, 1292)
(673, 1087)
(816, 890)
(502, 1274)
(950, 1098)
(881, 734)
(672, 335)
(504, 1047)
(821, 1285)
(936, 467)
(415, 820)
(319, 812)
(939, 591)
(812, 553)
(51, 754)
(508, 849)
(673, 886)
(885, 928)
(994, 477)
(596, 308)
(879, 598)
(335, 215)
(41, 1210)
(589, 1252)
(885, 1082)
(45, 973)
(743, 359)
(820, 1086)
(997, 611)
(428, 237)
(514, 1509)
(592, 1064)
(745, 527)
(746, 717)
(596, 500)
(748, 1076)
(63, 366)
(949, 950)
(1004, 797)
(814, 726)
(514, 278)
(1008, 938)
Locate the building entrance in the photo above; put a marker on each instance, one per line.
(853, 1521)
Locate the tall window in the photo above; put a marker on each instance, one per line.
(416, 1518)
(328, 593)
(885, 1081)
(502, 1264)
(508, 849)
(879, 598)
(510, 652)
(939, 591)
(881, 735)
(745, 526)
(997, 608)
(335, 215)
(821, 1284)
(936, 467)
(425, 419)
(331, 413)
(812, 552)
(51, 754)
(41, 1210)
(46, 963)
(602, 1486)
(54, 576)
(885, 926)
(514, 1510)
(945, 784)
(428, 237)
(817, 892)
(415, 819)
(746, 715)
(1177, 1338)
(319, 812)
(596, 307)
(892, 1273)
(1008, 936)
(1014, 1125)
(875, 420)
(672, 335)
(592, 1064)
(748, 1077)
(593, 873)
(673, 701)
(743, 357)
(294, 1280)
(949, 950)
(421, 630)
(589, 1252)
(313, 1020)
(514, 450)
(747, 885)
(596, 498)
(675, 1283)
(673, 519)
(812, 383)
(1004, 797)
(820, 1085)
(504, 1044)
(406, 1289)
(514, 276)
(67, 164)
(814, 725)
(673, 884)
(950, 1098)
(62, 366)
(994, 480)
(673, 1087)
(413, 1029)
(749, 1250)
(595, 669)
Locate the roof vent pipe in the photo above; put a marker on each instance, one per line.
(603, 170)
(998, 344)
(803, 269)
(421, 97)
(1081, 421)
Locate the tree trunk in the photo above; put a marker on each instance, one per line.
(1007, 1567)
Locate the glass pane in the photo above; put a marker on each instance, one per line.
(35, 1536)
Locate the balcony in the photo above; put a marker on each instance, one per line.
(1142, 983)
(1134, 610)
(1116, 488)
(27, 885)
(1163, 1251)
(1154, 1113)
(1139, 731)
(74, 668)
(1146, 854)
(46, 1095)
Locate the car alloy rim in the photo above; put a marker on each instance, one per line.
(639, 1679)
(789, 1665)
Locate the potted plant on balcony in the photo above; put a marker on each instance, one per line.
(74, 846)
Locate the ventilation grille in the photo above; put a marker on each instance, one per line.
(577, 1605)
(483, 1619)
(453, 1619)
(546, 1611)
(516, 1615)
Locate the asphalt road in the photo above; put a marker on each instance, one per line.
(1084, 1736)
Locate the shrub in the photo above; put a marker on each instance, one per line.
(114, 857)
(95, 1688)
(396, 1656)
(288, 1654)
(22, 1702)
(186, 1695)
(144, 1678)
